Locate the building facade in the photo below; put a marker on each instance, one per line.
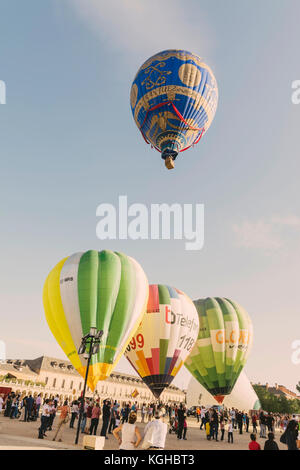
(50, 377)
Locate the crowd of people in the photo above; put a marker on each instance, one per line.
(217, 421)
(219, 424)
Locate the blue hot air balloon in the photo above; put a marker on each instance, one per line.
(173, 99)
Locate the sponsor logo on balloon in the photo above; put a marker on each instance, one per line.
(66, 279)
(230, 338)
(178, 319)
(2, 92)
(296, 92)
(161, 222)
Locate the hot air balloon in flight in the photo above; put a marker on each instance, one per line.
(103, 290)
(222, 347)
(173, 98)
(164, 338)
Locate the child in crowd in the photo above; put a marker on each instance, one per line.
(230, 432)
(253, 445)
(207, 430)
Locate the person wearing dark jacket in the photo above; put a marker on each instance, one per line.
(291, 435)
(105, 418)
(270, 444)
(247, 420)
(214, 423)
(239, 420)
(28, 408)
(180, 417)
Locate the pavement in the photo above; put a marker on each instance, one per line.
(17, 435)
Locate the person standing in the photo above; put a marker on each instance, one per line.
(254, 423)
(158, 430)
(222, 427)
(38, 403)
(214, 425)
(52, 415)
(95, 419)
(64, 416)
(28, 408)
(198, 414)
(74, 413)
(291, 435)
(230, 432)
(184, 429)
(44, 420)
(143, 412)
(131, 436)
(14, 408)
(262, 420)
(180, 416)
(150, 413)
(84, 415)
(202, 416)
(247, 420)
(112, 423)
(105, 418)
(1, 403)
(89, 412)
(8, 404)
(239, 420)
(232, 417)
(207, 429)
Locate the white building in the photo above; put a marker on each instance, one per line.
(50, 377)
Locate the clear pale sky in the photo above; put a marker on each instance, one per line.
(68, 143)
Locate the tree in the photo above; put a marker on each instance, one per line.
(272, 403)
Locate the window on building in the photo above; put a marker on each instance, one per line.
(63, 384)
(80, 385)
(54, 383)
(71, 385)
(46, 380)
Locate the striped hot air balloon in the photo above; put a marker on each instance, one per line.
(104, 290)
(165, 337)
(173, 98)
(222, 347)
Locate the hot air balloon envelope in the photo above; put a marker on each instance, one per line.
(104, 290)
(173, 98)
(222, 347)
(164, 338)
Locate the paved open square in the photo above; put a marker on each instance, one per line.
(17, 435)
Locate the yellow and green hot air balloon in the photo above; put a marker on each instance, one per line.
(223, 345)
(104, 290)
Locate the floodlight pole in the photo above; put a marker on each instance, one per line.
(81, 411)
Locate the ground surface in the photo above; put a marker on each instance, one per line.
(16, 435)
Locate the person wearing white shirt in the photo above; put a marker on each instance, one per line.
(230, 432)
(44, 419)
(131, 436)
(38, 402)
(157, 432)
(202, 416)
